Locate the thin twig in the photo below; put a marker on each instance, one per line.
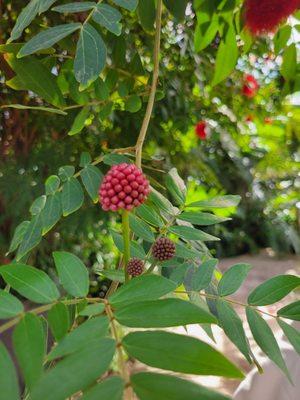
(145, 124)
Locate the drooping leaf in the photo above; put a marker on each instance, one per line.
(91, 178)
(217, 202)
(73, 274)
(18, 235)
(145, 287)
(289, 62)
(36, 77)
(79, 121)
(8, 378)
(47, 38)
(59, 320)
(161, 202)
(265, 338)
(273, 290)
(80, 337)
(72, 196)
(154, 386)
(52, 212)
(30, 282)
(30, 347)
(109, 389)
(178, 353)
(127, 4)
(203, 274)
(141, 229)
(75, 7)
(146, 13)
(206, 30)
(108, 17)
(10, 306)
(24, 19)
(70, 373)
(233, 278)
(162, 313)
(90, 56)
(32, 236)
(291, 311)
(291, 333)
(34, 108)
(233, 327)
(190, 233)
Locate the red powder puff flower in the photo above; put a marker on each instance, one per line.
(123, 188)
(201, 130)
(264, 16)
(250, 86)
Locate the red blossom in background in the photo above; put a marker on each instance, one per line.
(268, 120)
(250, 86)
(201, 130)
(123, 187)
(249, 118)
(264, 16)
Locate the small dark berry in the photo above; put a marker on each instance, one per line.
(163, 249)
(135, 267)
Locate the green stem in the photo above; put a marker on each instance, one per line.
(126, 240)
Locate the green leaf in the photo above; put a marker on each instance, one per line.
(18, 235)
(154, 386)
(291, 333)
(289, 62)
(44, 5)
(108, 17)
(273, 290)
(233, 327)
(66, 172)
(161, 202)
(136, 250)
(144, 287)
(47, 38)
(30, 282)
(32, 237)
(177, 8)
(127, 4)
(203, 274)
(73, 274)
(162, 314)
(176, 186)
(30, 347)
(291, 311)
(200, 218)
(113, 159)
(233, 278)
(133, 104)
(52, 185)
(186, 252)
(101, 90)
(72, 196)
(92, 309)
(115, 275)
(10, 306)
(206, 30)
(71, 375)
(90, 56)
(265, 339)
(80, 337)
(79, 121)
(190, 233)
(149, 215)
(146, 13)
(91, 178)
(227, 56)
(178, 353)
(109, 389)
(75, 7)
(37, 78)
(52, 212)
(37, 206)
(85, 159)
(59, 320)
(141, 229)
(8, 377)
(24, 19)
(217, 202)
(47, 109)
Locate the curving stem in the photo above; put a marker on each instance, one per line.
(126, 241)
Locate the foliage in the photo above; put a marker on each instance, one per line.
(89, 64)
